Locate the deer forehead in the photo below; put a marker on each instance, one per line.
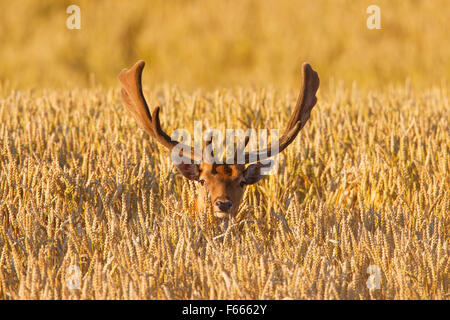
(223, 172)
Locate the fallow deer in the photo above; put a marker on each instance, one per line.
(224, 183)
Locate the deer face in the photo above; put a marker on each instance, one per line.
(223, 184)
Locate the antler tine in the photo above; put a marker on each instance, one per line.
(133, 97)
(305, 102)
(134, 100)
(307, 98)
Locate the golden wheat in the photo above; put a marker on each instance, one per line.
(366, 187)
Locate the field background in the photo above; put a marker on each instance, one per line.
(366, 182)
(224, 43)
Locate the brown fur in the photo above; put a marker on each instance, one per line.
(221, 182)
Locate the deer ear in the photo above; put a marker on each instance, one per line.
(190, 171)
(253, 172)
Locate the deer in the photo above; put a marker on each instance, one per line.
(220, 184)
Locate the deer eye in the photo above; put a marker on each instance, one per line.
(202, 182)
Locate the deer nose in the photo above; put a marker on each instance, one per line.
(224, 205)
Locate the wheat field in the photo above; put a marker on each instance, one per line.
(365, 184)
(92, 208)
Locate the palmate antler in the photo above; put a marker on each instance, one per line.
(134, 100)
(305, 102)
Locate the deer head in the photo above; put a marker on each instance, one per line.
(223, 183)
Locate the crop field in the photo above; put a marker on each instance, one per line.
(80, 185)
(92, 208)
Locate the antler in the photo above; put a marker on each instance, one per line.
(134, 100)
(306, 101)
